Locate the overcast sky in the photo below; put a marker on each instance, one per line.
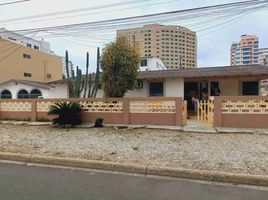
(213, 46)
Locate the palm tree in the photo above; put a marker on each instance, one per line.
(67, 113)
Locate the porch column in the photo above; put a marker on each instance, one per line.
(209, 88)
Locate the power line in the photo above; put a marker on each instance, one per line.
(129, 21)
(76, 10)
(86, 14)
(13, 2)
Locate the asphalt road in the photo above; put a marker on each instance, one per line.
(32, 182)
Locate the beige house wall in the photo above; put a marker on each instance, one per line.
(41, 65)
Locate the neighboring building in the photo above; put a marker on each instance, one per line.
(175, 45)
(245, 52)
(21, 89)
(18, 61)
(25, 41)
(70, 67)
(151, 64)
(263, 56)
(230, 81)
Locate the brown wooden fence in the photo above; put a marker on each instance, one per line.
(149, 111)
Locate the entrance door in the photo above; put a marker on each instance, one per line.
(250, 88)
(190, 90)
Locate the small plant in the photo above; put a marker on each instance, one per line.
(42, 119)
(67, 113)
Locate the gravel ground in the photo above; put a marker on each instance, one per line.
(242, 153)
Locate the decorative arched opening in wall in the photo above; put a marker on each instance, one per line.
(23, 94)
(6, 94)
(35, 93)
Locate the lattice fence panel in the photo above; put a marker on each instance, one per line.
(253, 106)
(16, 106)
(102, 106)
(152, 107)
(43, 106)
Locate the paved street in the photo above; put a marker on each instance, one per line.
(31, 182)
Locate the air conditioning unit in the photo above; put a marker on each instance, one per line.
(49, 75)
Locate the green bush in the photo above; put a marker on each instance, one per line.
(67, 113)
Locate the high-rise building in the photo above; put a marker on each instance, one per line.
(175, 45)
(263, 56)
(245, 52)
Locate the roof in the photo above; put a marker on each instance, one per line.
(35, 83)
(245, 70)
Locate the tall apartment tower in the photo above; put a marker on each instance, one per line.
(175, 45)
(263, 56)
(245, 52)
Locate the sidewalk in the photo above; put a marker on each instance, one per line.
(189, 128)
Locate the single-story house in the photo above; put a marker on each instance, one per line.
(23, 89)
(228, 81)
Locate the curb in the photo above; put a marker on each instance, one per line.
(247, 179)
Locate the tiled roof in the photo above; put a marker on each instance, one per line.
(245, 70)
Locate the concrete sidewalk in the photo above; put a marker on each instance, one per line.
(190, 128)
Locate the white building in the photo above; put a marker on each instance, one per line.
(151, 64)
(25, 41)
(70, 67)
(21, 89)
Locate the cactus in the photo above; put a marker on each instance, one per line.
(80, 84)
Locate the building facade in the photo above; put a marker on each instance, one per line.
(175, 45)
(21, 89)
(25, 41)
(263, 56)
(245, 52)
(19, 61)
(151, 64)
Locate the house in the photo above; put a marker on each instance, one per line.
(185, 83)
(21, 89)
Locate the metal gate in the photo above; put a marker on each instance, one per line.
(205, 112)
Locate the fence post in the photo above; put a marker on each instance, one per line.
(126, 111)
(178, 112)
(34, 110)
(185, 116)
(217, 112)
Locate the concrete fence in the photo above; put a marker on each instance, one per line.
(241, 112)
(149, 111)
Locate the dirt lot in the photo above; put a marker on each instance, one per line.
(242, 153)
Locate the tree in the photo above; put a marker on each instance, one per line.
(119, 64)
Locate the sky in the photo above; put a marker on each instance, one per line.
(213, 45)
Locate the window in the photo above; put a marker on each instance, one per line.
(35, 94)
(23, 94)
(27, 74)
(6, 94)
(143, 62)
(156, 89)
(27, 56)
(250, 88)
(29, 45)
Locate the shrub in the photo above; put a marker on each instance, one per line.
(67, 113)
